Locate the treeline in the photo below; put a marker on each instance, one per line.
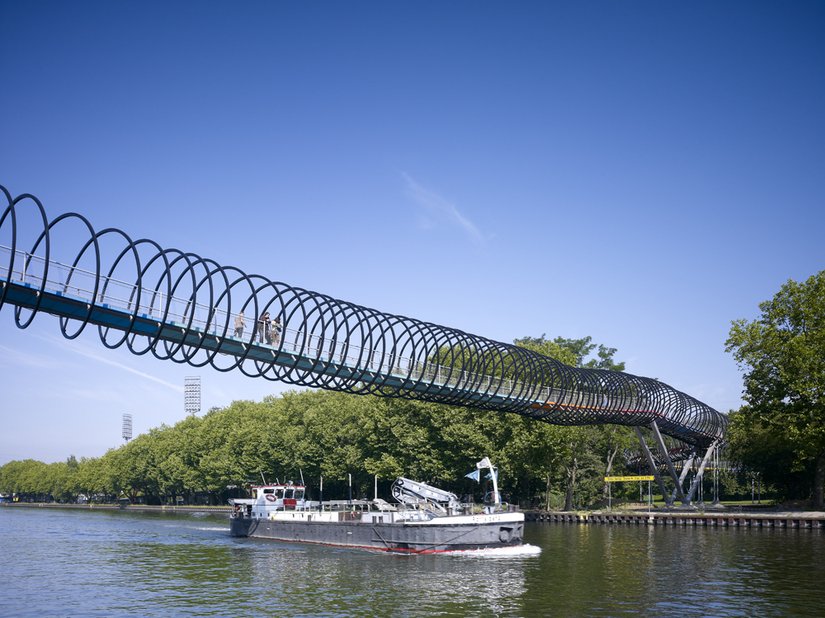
(311, 435)
(314, 434)
(776, 443)
(334, 435)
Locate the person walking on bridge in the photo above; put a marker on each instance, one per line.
(263, 328)
(275, 331)
(239, 325)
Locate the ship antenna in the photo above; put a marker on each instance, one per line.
(262, 476)
(301, 472)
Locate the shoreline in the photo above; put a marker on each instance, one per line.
(810, 520)
(804, 520)
(148, 508)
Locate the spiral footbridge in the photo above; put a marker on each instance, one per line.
(186, 308)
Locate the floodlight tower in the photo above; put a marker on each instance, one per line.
(127, 427)
(192, 395)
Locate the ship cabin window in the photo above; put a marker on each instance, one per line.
(289, 492)
(299, 494)
(280, 492)
(269, 490)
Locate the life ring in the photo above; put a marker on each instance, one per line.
(271, 497)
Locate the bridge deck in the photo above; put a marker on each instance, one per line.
(325, 342)
(105, 315)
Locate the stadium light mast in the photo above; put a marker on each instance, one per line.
(127, 427)
(192, 395)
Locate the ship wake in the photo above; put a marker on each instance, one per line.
(498, 552)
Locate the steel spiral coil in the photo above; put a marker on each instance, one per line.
(322, 342)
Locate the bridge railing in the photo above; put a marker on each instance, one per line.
(82, 284)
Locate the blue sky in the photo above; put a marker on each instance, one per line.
(640, 172)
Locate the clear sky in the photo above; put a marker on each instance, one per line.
(640, 172)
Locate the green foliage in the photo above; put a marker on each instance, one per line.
(576, 459)
(553, 349)
(333, 435)
(574, 352)
(781, 432)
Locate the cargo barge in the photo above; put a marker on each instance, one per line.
(423, 520)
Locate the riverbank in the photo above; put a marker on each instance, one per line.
(148, 508)
(740, 518)
(810, 520)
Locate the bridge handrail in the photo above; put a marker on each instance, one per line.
(325, 342)
(177, 312)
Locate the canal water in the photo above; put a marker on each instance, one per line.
(98, 563)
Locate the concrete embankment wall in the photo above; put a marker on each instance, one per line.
(217, 510)
(810, 521)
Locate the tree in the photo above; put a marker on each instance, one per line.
(783, 356)
(762, 450)
(553, 349)
(583, 348)
(578, 445)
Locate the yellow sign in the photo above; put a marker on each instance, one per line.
(616, 479)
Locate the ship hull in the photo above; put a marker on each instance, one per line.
(466, 533)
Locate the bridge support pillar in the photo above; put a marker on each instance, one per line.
(685, 469)
(652, 464)
(699, 474)
(666, 457)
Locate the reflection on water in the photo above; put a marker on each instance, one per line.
(109, 564)
(620, 570)
(92, 563)
(354, 582)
